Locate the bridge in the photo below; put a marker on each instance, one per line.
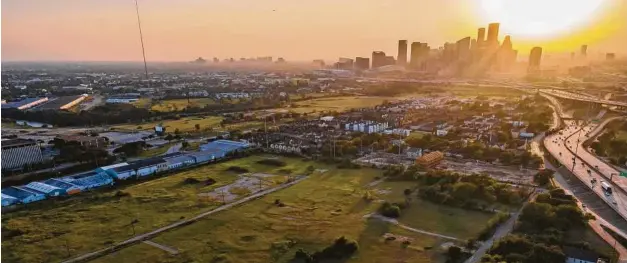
(581, 97)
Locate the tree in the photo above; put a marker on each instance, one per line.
(177, 131)
(454, 253)
(463, 191)
(185, 144)
(197, 126)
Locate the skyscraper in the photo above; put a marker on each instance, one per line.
(362, 63)
(389, 60)
(480, 37)
(610, 56)
(378, 59)
(344, 63)
(584, 51)
(493, 34)
(419, 52)
(402, 52)
(535, 57)
(463, 48)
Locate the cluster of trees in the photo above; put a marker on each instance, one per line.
(75, 152)
(536, 115)
(543, 177)
(611, 145)
(273, 162)
(541, 231)
(101, 115)
(341, 249)
(472, 192)
(392, 210)
(132, 148)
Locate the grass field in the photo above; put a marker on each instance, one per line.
(180, 104)
(318, 210)
(621, 135)
(339, 103)
(96, 219)
(143, 103)
(429, 216)
(156, 151)
(184, 124)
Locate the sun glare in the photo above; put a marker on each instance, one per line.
(540, 18)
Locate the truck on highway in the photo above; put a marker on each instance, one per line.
(606, 188)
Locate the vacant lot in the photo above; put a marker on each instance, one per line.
(339, 103)
(93, 220)
(180, 104)
(314, 212)
(184, 124)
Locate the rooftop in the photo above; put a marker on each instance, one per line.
(16, 142)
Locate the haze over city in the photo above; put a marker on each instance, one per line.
(91, 30)
(314, 131)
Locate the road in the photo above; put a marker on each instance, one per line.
(174, 148)
(181, 223)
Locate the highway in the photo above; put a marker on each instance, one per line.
(584, 168)
(580, 97)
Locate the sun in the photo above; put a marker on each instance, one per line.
(540, 18)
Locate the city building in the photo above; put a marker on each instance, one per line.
(344, 63)
(480, 37)
(493, 34)
(122, 99)
(402, 53)
(48, 190)
(463, 48)
(378, 59)
(19, 152)
(430, 159)
(419, 53)
(389, 60)
(535, 57)
(583, 52)
(21, 195)
(610, 56)
(362, 63)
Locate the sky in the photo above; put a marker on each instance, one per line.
(182, 30)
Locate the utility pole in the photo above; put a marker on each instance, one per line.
(141, 38)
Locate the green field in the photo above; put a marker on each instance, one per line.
(95, 219)
(180, 104)
(142, 103)
(432, 217)
(184, 124)
(339, 103)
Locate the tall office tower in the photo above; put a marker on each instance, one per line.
(318, 63)
(415, 53)
(362, 63)
(473, 44)
(389, 60)
(535, 57)
(345, 63)
(378, 59)
(480, 36)
(584, 51)
(505, 56)
(402, 53)
(493, 34)
(463, 48)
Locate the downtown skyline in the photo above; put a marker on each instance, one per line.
(297, 32)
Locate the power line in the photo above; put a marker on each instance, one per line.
(141, 39)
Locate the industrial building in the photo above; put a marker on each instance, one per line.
(430, 159)
(24, 104)
(366, 127)
(106, 175)
(16, 153)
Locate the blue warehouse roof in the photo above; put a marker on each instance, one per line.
(60, 184)
(139, 164)
(18, 192)
(42, 188)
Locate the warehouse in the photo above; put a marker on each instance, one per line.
(224, 145)
(89, 180)
(69, 188)
(202, 157)
(138, 168)
(9, 200)
(178, 160)
(24, 196)
(48, 190)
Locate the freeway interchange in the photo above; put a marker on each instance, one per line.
(567, 148)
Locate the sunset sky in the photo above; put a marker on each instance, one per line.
(181, 30)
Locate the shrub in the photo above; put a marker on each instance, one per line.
(121, 194)
(390, 210)
(237, 169)
(191, 181)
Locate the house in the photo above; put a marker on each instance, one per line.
(23, 195)
(69, 188)
(9, 200)
(576, 255)
(48, 190)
